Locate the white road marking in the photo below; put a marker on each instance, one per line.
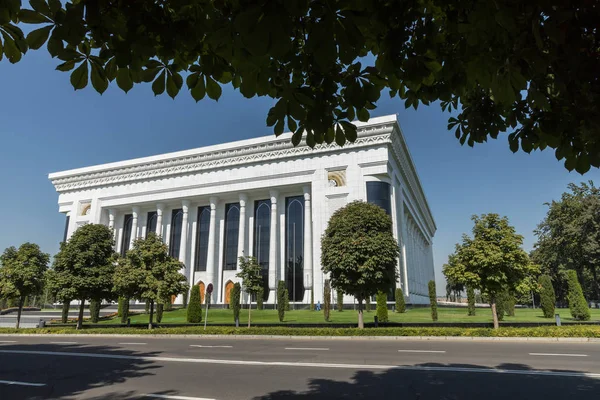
(558, 354)
(421, 351)
(202, 345)
(308, 348)
(8, 341)
(22, 383)
(133, 343)
(307, 364)
(164, 396)
(63, 342)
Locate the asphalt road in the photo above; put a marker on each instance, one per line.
(75, 367)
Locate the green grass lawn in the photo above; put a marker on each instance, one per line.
(421, 314)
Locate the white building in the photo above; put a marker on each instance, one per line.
(261, 197)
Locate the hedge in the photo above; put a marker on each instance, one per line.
(433, 300)
(547, 296)
(588, 331)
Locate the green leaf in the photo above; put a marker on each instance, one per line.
(11, 50)
(79, 77)
(158, 86)
(340, 138)
(570, 163)
(329, 135)
(363, 115)
(583, 164)
(292, 125)
(199, 91)
(37, 38)
(213, 89)
(174, 84)
(66, 66)
(32, 17)
(297, 137)
(310, 139)
(124, 80)
(110, 69)
(99, 81)
(349, 130)
(279, 126)
(433, 66)
(55, 45)
(40, 6)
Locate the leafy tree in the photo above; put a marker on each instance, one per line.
(471, 300)
(252, 280)
(22, 273)
(235, 304)
(433, 300)
(194, 309)
(64, 316)
(94, 311)
(327, 300)
(382, 311)
(84, 267)
(340, 300)
(569, 238)
(368, 304)
(281, 298)
(492, 260)
(547, 297)
(260, 299)
(577, 303)
(400, 303)
(359, 251)
(500, 68)
(148, 272)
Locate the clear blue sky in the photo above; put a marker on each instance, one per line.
(45, 126)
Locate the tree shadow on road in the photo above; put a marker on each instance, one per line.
(72, 376)
(436, 381)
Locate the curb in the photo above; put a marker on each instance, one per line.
(311, 338)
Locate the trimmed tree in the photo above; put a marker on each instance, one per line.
(577, 303)
(286, 300)
(433, 300)
(194, 309)
(492, 260)
(234, 300)
(382, 311)
(94, 311)
(281, 299)
(148, 272)
(84, 267)
(400, 302)
(22, 273)
(471, 301)
(252, 280)
(359, 252)
(547, 296)
(340, 299)
(327, 300)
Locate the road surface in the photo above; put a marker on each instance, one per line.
(75, 367)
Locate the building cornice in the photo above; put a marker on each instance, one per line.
(207, 159)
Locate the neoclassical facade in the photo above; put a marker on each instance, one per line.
(261, 197)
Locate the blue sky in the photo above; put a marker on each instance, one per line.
(47, 127)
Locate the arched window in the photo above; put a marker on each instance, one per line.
(151, 224)
(294, 247)
(232, 226)
(127, 225)
(262, 240)
(202, 232)
(176, 225)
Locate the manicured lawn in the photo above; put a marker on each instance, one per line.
(421, 314)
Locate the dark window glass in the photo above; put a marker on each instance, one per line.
(127, 222)
(262, 240)
(67, 220)
(151, 224)
(202, 229)
(379, 193)
(176, 224)
(232, 226)
(294, 247)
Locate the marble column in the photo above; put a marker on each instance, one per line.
(185, 207)
(135, 212)
(212, 236)
(111, 223)
(273, 244)
(159, 220)
(403, 239)
(308, 242)
(242, 227)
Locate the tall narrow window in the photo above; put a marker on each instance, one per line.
(379, 193)
(127, 222)
(176, 224)
(232, 226)
(203, 227)
(67, 220)
(151, 224)
(262, 239)
(294, 247)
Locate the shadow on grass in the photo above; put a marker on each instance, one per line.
(435, 381)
